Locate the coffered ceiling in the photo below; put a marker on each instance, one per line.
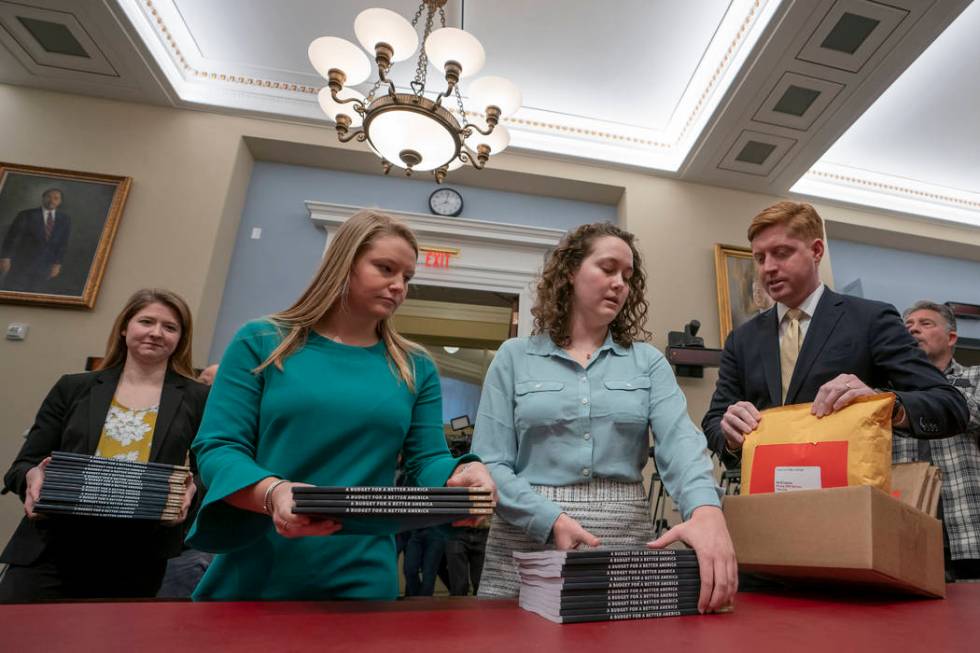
(864, 101)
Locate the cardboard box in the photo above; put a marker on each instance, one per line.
(857, 535)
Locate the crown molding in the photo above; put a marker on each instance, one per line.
(851, 185)
(198, 81)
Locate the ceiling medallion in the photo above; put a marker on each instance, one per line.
(409, 129)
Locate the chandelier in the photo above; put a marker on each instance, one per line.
(412, 130)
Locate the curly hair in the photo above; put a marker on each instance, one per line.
(552, 309)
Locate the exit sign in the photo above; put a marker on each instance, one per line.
(436, 257)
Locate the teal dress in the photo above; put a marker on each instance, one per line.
(335, 415)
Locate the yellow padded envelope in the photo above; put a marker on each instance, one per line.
(793, 450)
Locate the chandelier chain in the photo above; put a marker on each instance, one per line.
(418, 84)
(374, 89)
(418, 14)
(462, 111)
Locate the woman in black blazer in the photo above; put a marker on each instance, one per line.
(143, 404)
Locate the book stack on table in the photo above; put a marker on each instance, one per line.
(79, 484)
(392, 509)
(609, 584)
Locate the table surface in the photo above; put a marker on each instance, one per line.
(796, 622)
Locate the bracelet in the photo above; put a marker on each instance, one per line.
(267, 500)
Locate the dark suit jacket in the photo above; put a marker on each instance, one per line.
(31, 255)
(71, 419)
(846, 335)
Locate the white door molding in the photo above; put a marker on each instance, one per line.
(493, 256)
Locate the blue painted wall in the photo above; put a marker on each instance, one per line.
(459, 398)
(268, 274)
(902, 278)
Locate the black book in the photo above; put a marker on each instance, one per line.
(605, 601)
(57, 479)
(603, 615)
(119, 483)
(112, 482)
(605, 583)
(463, 513)
(100, 473)
(669, 588)
(314, 503)
(99, 512)
(638, 569)
(390, 524)
(59, 497)
(387, 491)
(69, 456)
(660, 604)
(613, 572)
(594, 556)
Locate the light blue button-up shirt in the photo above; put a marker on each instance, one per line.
(546, 420)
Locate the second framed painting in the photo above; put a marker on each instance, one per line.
(740, 294)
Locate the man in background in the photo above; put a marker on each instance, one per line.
(933, 326)
(34, 247)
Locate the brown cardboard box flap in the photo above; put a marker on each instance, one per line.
(850, 534)
(909, 480)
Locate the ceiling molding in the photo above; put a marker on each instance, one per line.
(198, 81)
(870, 189)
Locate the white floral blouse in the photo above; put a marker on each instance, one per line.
(127, 434)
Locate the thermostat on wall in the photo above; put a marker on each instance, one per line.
(16, 331)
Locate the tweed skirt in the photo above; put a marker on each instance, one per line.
(615, 512)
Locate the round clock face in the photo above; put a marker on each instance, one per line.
(446, 201)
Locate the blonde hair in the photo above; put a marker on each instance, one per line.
(180, 360)
(328, 289)
(800, 218)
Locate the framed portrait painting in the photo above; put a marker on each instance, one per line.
(56, 232)
(740, 294)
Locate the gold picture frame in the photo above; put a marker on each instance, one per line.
(56, 259)
(740, 295)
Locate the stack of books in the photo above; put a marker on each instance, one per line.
(609, 584)
(78, 484)
(392, 509)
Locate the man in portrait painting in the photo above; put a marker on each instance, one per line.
(34, 246)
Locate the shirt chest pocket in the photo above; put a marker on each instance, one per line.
(627, 400)
(538, 403)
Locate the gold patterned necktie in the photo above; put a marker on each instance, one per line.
(789, 347)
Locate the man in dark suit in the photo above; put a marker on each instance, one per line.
(34, 247)
(817, 346)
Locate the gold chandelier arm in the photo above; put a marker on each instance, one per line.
(358, 105)
(449, 91)
(466, 155)
(383, 76)
(486, 132)
(347, 136)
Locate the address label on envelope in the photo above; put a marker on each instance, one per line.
(788, 479)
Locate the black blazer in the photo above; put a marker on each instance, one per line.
(71, 419)
(846, 335)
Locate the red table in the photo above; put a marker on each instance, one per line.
(794, 623)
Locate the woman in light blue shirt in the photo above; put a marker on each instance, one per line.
(564, 419)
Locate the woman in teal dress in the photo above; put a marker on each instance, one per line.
(323, 393)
